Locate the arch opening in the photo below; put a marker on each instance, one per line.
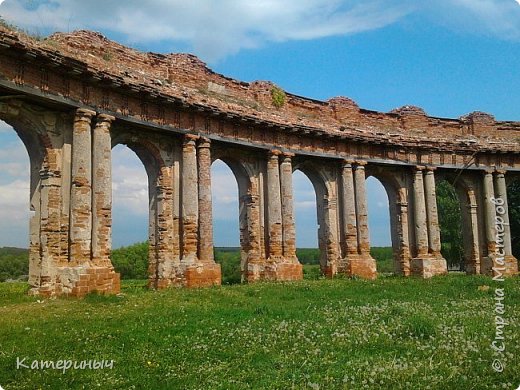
(513, 199)
(19, 177)
(382, 247)
(228, 221)
(306, 224)
(450, 225)
(131, 205)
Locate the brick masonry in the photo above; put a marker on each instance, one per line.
(179, 116)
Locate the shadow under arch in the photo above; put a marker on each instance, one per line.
(150, 157)
(329, 253)
(472, 236)
(249, 246)
(513, 199)
(395, 185)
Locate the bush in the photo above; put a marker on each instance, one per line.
(14, 263)
(278, 97)
(229, 260)
(131, 261)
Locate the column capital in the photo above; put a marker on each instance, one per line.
(360, 164)
(190, 138)
(500, 172)
(430, 169)
(84, 115)
(347, 163)
(204, 142)
(488, 171)
(419, 168)
(288, 155)
(274, 153)
(104, 120)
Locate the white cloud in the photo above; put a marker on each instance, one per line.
(14, 213)
(213, 28)
(224, 190)
(129, 182)
(500, 18)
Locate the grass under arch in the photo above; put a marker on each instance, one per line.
(392, 333)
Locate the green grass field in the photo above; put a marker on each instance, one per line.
(392, 333)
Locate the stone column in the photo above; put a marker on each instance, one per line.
(81, 189)
(197, 220)
(434, 234)
(404, 239)
(163, 270)
(361, 264)
(102, 191)
(289, 234)
(361, 209)
(508, 264)
(252, 236)
(349, 210)
(274, 206)
(190, 190)
(501, 195)
(426, 264)
(473, 258)
(421, 227)
(489, 211)
(205, 202)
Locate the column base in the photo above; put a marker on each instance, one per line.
(473, 266)
(203, 275)
(283, 271)
(402, 263)
(506, 267)
(428, 266)
(78, 281)
(363, 266)
(188, 275)
(274, 269)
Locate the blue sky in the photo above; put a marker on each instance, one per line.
(449, 57)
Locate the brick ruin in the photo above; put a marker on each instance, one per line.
(72, 97)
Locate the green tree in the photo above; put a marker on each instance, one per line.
(450, 224)
(131, 261)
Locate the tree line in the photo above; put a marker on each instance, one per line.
(132, 261)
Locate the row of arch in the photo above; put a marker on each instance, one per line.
(150, 156)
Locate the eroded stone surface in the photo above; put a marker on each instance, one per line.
(194, 114)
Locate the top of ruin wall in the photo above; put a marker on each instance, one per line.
(185, 77)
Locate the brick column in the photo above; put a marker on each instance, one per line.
(421, 228)
(289, 235)
(81, 190)
(434, 234)
(489, 211)
(404, 239)
(102, 191)
(196, 219)
(348, 215)
(190, 209)
(489, 222)
(205, 202)
(251, 237)
(361, 209)
(361, 264)
(508, 263)
(274, 206)
(473, 265)
(427, 261)
(501, 193)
